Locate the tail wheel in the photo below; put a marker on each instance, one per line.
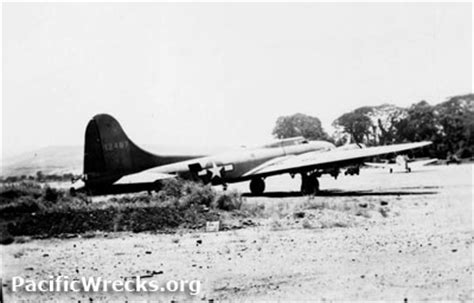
(257, 186)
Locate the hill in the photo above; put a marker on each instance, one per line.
(68, 159)
(49, 160)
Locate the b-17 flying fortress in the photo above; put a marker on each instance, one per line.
(114, 164)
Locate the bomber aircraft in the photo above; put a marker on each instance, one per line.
(402, 163)
(114, 164)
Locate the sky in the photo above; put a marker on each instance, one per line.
(215, 74)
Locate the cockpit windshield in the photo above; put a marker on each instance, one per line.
(287, 142)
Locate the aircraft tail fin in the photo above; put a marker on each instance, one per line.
(109, 154)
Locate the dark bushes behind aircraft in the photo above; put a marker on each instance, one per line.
(30, 209)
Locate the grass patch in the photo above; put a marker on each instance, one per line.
(306, 224)
(333, 224)
(276, 225)
(317, 212)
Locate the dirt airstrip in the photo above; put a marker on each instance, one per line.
(377, 236)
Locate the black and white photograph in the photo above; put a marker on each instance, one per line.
(236, 151)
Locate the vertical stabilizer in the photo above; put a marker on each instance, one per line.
(109, 154)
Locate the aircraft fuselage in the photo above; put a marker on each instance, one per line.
(115, 164)
(235, 166)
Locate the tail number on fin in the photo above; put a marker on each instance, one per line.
(116, 145)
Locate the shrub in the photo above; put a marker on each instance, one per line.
(171, 189)
(21, 205)
(198, 194)
(51, 194)
(6, 238)
(228, 201)
(32, 209)
(14, 191)
(254, 210)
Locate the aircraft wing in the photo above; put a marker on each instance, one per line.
(331, 158)
(422, 162)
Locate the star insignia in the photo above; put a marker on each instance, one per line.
(215, 171)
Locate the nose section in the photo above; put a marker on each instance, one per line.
(321, 145)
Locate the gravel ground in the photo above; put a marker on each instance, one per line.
(377, 236)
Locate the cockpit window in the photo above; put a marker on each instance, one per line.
(287, 142)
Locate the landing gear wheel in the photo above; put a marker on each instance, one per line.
(257, 186)
(309, 184)
(409, 170)
(391, 170)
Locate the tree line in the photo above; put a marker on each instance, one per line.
(39, 177)
(449, 125)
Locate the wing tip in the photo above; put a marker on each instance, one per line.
(425, 143)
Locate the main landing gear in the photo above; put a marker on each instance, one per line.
(257, 186)
(309, 184)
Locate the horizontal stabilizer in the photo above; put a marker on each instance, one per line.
(144, 177)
